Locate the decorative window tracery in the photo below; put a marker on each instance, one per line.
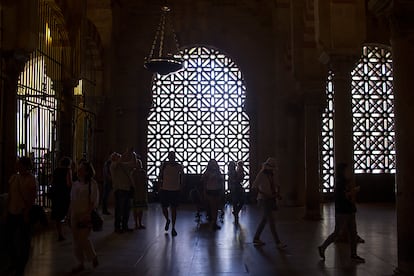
(373, 112)
(373, 117)
(327, 154)
(198, 113)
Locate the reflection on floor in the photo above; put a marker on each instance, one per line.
(229, 251)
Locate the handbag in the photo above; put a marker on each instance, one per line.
(96, 221)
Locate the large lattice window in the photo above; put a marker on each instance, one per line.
(373, 112)
(198, 113)
(373, 118)
(327, 154)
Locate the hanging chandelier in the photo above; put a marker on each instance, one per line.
(161, 59)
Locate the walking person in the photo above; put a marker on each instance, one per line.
(213, 188)
(268, 191)
(345, 210)
(21, 197)
(60, 194)
(170, 178)
(84, 198)
(140, 193)
(235, 179)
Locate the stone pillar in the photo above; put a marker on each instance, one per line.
(313, 120)
(343, 134)
(12, 67)
(65, 123)
(402, 42)
(294, 192)
(343, 141)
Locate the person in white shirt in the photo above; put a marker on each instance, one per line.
(170, 178)
(267, 187)
(84, 198)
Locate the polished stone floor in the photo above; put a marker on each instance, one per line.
(197, 250)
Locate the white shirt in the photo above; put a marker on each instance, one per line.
(264, 186)
(171, 176)
(81, 199)
(121, 179)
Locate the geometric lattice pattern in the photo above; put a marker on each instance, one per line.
(373, 112)
(198, 113)
(327, 145)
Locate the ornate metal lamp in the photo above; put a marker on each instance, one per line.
(164, 63)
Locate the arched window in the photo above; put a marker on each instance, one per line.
(373, 112)
(373, 117)
(198, 112)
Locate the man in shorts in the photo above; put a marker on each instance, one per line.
(171, 174)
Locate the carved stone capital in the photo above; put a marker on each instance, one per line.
(398, 12)
(379, 7)
(402, 19)
(342, 65)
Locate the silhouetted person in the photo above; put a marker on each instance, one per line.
(236, 176)
(268, 191)
(60, 193)
(84, 198)
(122, 184)
(213, 181)
(21, 197)
(345, 210)
(140, 195)
(171, 173)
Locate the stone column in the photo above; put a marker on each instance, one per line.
(343, 141)
(343, 134)
(313, 120)
(12, 67)
(402, 42)
(65, 123)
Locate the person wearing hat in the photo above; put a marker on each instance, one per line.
(268, 191)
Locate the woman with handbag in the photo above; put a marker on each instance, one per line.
(84, 199)
(268, 192)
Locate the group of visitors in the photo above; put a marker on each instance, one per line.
(75, 195)
(211, 190)
(267, 187)
(129, 185)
